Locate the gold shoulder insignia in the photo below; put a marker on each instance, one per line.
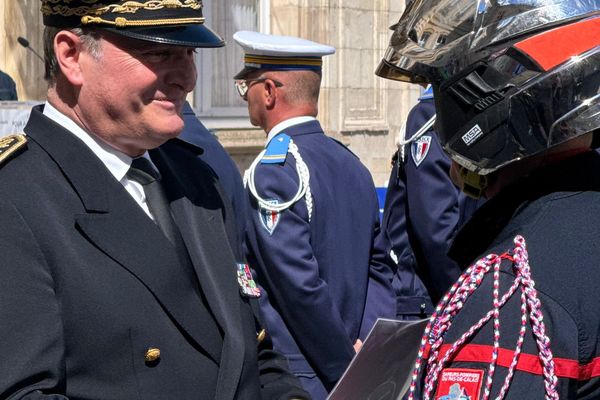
(10, 144)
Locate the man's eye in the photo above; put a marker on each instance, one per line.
(156, 55)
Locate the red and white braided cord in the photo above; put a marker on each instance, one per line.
(453, 302)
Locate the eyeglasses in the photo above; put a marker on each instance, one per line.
(243, 85)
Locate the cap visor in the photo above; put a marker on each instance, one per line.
(245, 72)
(193, 35)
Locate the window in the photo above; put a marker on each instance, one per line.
(215, 98)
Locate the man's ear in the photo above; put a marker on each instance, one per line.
(68, 48)
(270, 93)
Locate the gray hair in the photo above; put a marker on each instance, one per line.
(303, 88)
(90, 40)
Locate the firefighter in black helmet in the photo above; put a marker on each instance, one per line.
(517, 93)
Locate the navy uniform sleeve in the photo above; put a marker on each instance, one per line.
(394, 236)
(433, 207)
(380, 300)
(31, 348)
(412, 299)
(286, 263)
(276, 380)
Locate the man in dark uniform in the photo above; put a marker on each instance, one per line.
(313, 216)
(517, 89)
(423, 210)
(8, 89)
(121, 274)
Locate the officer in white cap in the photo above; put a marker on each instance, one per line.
(313, 216)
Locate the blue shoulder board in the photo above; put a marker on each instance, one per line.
(427, 94)
(276, 150)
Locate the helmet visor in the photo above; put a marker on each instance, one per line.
(425, 29)
(435, 38)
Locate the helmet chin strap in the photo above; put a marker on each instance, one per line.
(472, 184)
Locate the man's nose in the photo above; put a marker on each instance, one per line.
(183, 72)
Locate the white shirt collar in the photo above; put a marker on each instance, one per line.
(117, 162)
(286, 124)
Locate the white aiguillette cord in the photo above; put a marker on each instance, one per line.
(303, 186)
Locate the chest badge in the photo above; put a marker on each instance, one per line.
(420, 148)
(247, 285)
(459, 384)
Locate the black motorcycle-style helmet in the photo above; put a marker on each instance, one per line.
(511, 78)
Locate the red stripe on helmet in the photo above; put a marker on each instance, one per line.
(554, 47)
(564, 367)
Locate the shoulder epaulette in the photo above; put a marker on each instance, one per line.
(427, 94)
(276, 150)
(9, 145)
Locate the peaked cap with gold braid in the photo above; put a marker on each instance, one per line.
(177, 22)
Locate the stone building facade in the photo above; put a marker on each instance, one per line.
(356, 107)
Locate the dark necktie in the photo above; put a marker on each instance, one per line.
(143, 172)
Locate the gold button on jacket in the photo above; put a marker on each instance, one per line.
(152, 355)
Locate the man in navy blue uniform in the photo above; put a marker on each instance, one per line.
(423, 210)
(517, 94)
(313, 216)
(122, 275)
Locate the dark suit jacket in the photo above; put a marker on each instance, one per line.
(89, 283)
